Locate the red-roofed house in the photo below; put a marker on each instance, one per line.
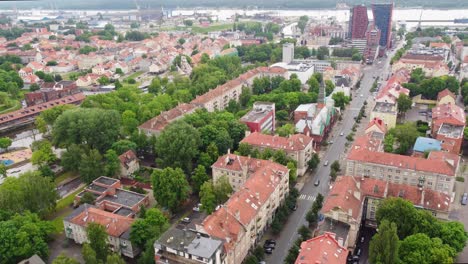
(298, 147)
(446, 97)
(117, 228)
(376, 125)
(128, 163)
(437, 172)
(322, 249)
(157, 124)
(448, 123)
(348, 194)
(242, 220)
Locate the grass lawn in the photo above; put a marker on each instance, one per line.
(67, 201)
(64, 176)
(63, 209)
(134, 75)
(10, 109)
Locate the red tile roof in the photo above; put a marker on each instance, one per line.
(448, 113)
(342, 194)
(445, 92)
(323, 249)
(115, 224)
(127, 157)
(159, 122)
(361, 152)
(295, 142)
(228, 222)
(379, 123)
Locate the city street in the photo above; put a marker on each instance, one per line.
(335, 151)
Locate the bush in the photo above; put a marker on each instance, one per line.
(460, 179)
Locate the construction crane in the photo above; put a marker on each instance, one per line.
(418, 28)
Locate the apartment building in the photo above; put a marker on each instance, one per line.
(298, 147)
(355, 198)
(242, 220)
(322, 249)
(437, 172)
(261, 118)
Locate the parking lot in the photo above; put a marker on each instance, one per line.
(418, 112)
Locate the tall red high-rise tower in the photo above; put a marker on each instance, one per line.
(358, 22)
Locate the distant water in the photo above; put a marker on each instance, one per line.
(341, 15)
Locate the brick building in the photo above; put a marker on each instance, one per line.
(261, 118)
(298, 147)
(358, 22)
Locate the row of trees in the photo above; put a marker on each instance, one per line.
(409, 235)
(305, 232)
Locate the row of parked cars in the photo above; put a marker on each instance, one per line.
(269, 246)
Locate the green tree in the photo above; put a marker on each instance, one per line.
(114, 259)
(79, 126)
(178, 145)
(112, 167)
(103, 80)
(3, 170)
(97, 237)
(314, 161)
(117, 84)
(304, 232)
(208, 197)
(42, 153)
(22, 236)
(89, 255)
(71, 158)
(329, 87)
(335, 166)
(155, 86)
(302, 23)
(341, 100)
(222, 189)
(389, 140)
(404, 103)
(188, 22)
(64, 259)
(199, 177)
(286, 130)
(34, 87)
(170, 187)
(181, 41)
(90, 167)
(123, 146)
(29, 192)
(322, 52)
(384, 245)
(87, 198)
(5, 142)
(406, 134)
(150, 227)
(129, 122)
(419, 248)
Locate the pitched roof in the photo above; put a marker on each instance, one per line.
(115, 224)
(229, 222)
(323, 249)
(295, 142)
(159, 122)
(445, 92)
(442, 164)
(379, 123)
(127, 157)
(448, 113)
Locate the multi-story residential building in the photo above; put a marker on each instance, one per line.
(184, 246)
(433, 66)
(117, 228)
(219, 97)
(448, 122)
(436, 172)
(383, 14)
(51, 91)
(261, 118)
(356, 198)
(111, 197)
(298, 147)
(371, 51)
(322, 249)
(242, 220)
(358, 22)
(156, 125)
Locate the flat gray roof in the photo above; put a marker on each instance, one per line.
(451, 131)
(106, 180)
(187, 241)
(123, 211)
(96, 188)
(384, 107)
(124, 197)
(259, 111)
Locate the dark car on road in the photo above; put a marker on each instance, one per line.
(268, 250)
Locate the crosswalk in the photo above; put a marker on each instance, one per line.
(307, 197)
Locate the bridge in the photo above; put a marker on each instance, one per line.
(456, 21)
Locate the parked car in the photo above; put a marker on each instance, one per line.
(326, 163)
(186, 220)
(341, 134)
(362, 239)
(268, 250)
(197, 208)
(270, 241)
(464, 199)
(266, 245)
(294, 208)
(317, 182)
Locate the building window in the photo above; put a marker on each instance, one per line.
(397, 171)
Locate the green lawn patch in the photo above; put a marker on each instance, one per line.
(67, 201)
(64, 176)
(135, 75)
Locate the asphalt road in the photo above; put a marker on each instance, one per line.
(334, 152)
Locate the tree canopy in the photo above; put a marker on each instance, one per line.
(170, 187)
